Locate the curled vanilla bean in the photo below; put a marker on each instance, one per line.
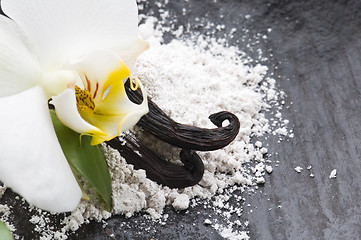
(185, 136)
(158, 169)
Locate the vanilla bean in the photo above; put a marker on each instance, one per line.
(185, 136)
(158, 169)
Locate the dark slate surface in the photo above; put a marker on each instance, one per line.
(314, 51)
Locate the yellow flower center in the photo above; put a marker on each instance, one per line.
(84, 100)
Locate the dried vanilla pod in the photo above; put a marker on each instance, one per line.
(185, 136)
(158, 169)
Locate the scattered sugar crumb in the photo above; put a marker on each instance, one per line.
(207, 222)
(263, 150)
(269, 169)
(181, 202)
(298, 169)
(227, 232)
(260, 180)
(333, 174)
(258, 144)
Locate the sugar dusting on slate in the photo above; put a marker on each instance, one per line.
(190, 79)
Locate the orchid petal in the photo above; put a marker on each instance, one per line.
(19, 70)
(32, 162)
(63, 29)
(67, 112)
(96, 67)
(130, 55)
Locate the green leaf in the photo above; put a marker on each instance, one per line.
(5, 233)
(86, 160)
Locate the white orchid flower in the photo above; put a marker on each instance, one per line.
(75, 52)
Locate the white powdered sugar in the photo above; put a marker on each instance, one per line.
(190, 79)
(228, 233)
(333, 174)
